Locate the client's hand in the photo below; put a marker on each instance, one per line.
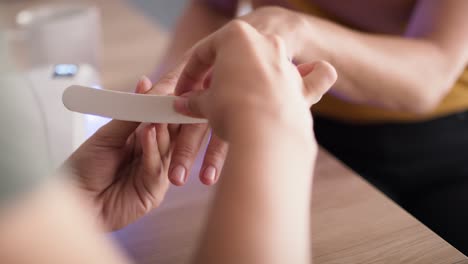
(122, 169)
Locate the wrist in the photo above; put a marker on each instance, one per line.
(256, 129)
(314, 43)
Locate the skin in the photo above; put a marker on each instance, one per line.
(197, 22)
(66, 233)
(415, 65)
(121, 170)
(263, 201)
(253, 192)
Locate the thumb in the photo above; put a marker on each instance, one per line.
(116, 132)
(192, 104)
(318, 77)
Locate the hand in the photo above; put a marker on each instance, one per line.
(190, 137)
(291, 26)
(188, 140)
(252, 82)
(270, 21)
(122, 169)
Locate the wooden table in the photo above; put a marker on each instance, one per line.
(351, 221)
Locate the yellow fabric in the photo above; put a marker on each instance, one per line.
(333, 107)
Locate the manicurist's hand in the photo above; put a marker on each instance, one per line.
(122, 169)
(258, 102)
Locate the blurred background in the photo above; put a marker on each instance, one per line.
(107, 44)
(145, 30)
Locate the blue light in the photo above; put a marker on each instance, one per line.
(65, 70)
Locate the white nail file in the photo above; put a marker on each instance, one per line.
(145, 108)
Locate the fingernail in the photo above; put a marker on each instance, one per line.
(178, 174)
(210, 173)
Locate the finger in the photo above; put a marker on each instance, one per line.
(144, 85)
(214, 160)
(115, 133)
(150, 151)
(200, 61)
(305, 69)
(318, 77)
(138, 137)
(129, 147)
(279, 47)
(166, 85)
(164, 132)
(163, 139)
(173, 130)
(185, 151)
(154, 178)
(168, 81)
(208, 78)
(192, 104)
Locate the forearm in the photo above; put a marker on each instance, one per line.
(261, 212)
(406, 74)
(199, 20)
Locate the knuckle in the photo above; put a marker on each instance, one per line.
(276, 44)
(238, 28)
(215, 158)
(197, 127)
(238, 25)
(184, 152)
(195, 107)
(167, 82)
(217, 152)
(168, 79)
(276, 41)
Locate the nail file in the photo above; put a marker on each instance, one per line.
(145, 108)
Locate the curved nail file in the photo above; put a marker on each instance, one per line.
(125, 106)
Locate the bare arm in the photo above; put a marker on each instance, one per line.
(262, 210)
(407, 73)
(258, 102)
(411, 73)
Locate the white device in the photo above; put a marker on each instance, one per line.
(24, 148)
(125, 106)
(65, 130)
